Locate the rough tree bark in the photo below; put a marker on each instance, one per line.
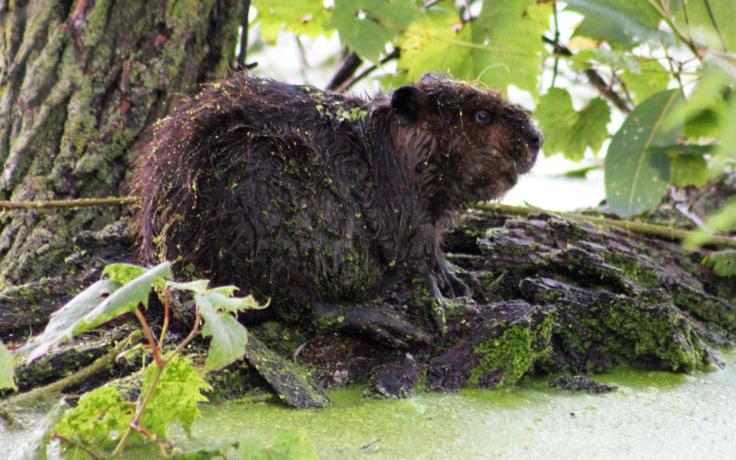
(79, 82)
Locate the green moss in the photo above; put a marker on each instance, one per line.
(512, 354)
(657, 333)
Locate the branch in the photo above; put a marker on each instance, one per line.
(244, 34)
(348, 67)
(642, 228)
(594, 78)
(356, 78)
(76, 203)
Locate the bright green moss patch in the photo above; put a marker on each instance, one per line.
(511, 355)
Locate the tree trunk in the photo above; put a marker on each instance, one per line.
(79, 82)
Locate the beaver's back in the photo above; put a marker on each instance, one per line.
(262, 184)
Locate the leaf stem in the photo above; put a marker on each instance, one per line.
(149, 336)
(140, 409)
(192, 335)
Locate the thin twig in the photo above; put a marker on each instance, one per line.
(642, 228)
(594, 77)
(356, 78)
(714, 22)
(76, 203)
(686, 39)
(556, 44)
(192, 335)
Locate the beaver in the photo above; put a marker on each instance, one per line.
(316, 198)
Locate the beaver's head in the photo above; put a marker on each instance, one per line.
(463, 143)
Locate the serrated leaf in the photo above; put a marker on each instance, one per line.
(567, 131)
(688, 170)
(99, 419)
(122, 273)
(501, 47)
(637, 175)
(645, 79)
(229, 337)
(367, 25)
(234, 304)
(7, 369)
(196, 286)
(303, 17)
(175, 398)
(619, 22)
(723, 262)
(99, 303)
(63, 321)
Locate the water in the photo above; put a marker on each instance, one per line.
(652, 415)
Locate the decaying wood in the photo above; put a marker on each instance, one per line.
(551, 295)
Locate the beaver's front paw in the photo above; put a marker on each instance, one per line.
(448, 282)
(444, 307)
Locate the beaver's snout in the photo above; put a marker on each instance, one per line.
(534, 140)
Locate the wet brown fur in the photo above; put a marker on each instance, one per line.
(305, 195)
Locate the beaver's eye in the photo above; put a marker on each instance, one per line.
(482, 117)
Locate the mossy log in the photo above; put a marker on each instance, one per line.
(551, 295)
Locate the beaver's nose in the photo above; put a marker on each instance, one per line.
(535, 138)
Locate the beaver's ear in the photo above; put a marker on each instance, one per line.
(407, 103)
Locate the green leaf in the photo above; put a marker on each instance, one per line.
(125, 299)
(196, 286)
(567, 131)
(723, 262)
(303, 17)
(367, 25)
(637, 177)
(63, 321)
(175, 398)
(703, 110)
(688, 170)
(511, 31)
(620, 22)
(99, 303)
(716, 30)
(647, 78)
(7, 369)
(722, 221)
(501, 47)
(122, 273)
(229, 337)
(100, 418)
(290, 444)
